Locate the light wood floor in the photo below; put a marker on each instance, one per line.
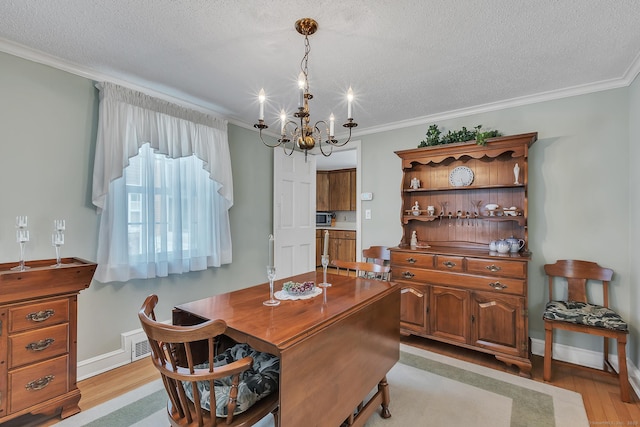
(600, 393)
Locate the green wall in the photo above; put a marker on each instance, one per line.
(580, 199)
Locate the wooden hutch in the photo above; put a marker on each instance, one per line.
(453, 288)
(38, 337)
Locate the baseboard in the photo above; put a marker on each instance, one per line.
(589, 358)
(114, 359)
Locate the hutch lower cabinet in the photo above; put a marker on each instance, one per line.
(38, 337)
(453, 288)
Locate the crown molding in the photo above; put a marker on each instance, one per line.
(509, 103)
(199, 105)
(40, 57)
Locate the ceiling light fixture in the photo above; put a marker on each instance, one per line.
(302, 134)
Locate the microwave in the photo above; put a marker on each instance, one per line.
(323, 218)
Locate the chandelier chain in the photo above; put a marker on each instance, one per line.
(304, 64)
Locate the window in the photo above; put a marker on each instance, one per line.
(164, 206)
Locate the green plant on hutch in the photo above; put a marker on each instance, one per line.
(434, 136)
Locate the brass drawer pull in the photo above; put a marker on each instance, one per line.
(412, 260)
(493, 268)
(449, 264)
(41, 316)
(40, 383)
(407, 275)
(40, 345)
(498, 286)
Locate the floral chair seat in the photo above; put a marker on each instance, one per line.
(255, 383)
(584, 314)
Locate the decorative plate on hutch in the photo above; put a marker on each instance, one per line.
(461, 176)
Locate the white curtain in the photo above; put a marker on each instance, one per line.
(127, 121)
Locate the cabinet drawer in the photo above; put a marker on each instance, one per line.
(39, 344)
(409, 274)
(412, 259)
(449, 263)
(496, 267)
(342, 234)
(37, 315)
(37, 383)
(495, 284)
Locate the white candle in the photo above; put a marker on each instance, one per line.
(326, 243)
(283, 121)
(271, 244)
(332, 120)
(261, 98)
(349, 101)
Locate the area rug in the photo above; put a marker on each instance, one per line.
(427, 389)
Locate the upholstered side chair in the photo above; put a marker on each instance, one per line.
(575, 313)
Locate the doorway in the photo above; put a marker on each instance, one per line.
(347, 157)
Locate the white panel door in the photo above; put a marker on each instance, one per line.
(294, 206)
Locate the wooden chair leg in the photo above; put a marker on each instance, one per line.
(548, 351)
(623, 376)
(605, 347)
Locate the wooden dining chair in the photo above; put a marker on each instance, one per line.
(217, 382)
(377, 254)
(362, 269)
(577, 314)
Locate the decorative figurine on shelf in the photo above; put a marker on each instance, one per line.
(415, 209)
(516, 173)
(414, 239)
(415, 183)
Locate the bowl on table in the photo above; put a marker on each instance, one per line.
(299, 289)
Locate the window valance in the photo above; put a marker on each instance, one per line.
(128, 119)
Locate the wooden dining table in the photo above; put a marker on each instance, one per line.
(335, 349)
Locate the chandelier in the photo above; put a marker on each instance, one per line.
(300, 133)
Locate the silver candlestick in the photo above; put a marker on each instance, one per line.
(325, 263)
(271, 275)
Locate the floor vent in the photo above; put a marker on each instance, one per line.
(137, 343)
(140, 349)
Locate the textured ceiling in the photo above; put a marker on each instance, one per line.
(407, 61)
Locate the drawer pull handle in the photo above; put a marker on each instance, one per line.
(40, 345)
(412, 260)
(40, 383)
(41, 316)
(493, 268)
(449, 264)
(407, 275)
(498, 286)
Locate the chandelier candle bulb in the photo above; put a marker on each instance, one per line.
(301, 84)
(283, 121)
(349, 101)
(261, 98)
(332, 120)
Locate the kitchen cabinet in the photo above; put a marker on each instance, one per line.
(453, 288)
(38, 337)
(342, 245)
(322, 191)
(336, 190)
